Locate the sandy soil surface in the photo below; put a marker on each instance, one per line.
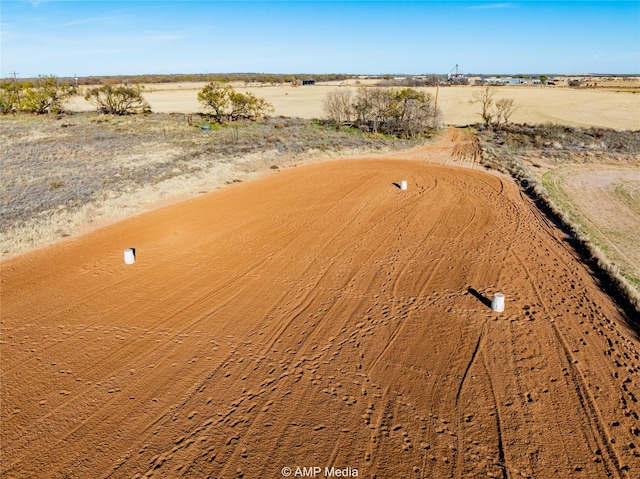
(615, 222)
(320, 317)
(601, 108)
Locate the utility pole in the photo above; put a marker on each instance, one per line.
(435, 107)
(15, 86)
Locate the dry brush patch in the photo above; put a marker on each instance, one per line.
(526, 152)
(62, 172)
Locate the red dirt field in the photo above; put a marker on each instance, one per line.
(320, 317)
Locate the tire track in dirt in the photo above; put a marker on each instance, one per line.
(472, 361)
(501, 459)
(586, 401)
(395, 295)
(303, 308)
(474, 354)
(128, 351)
(330, 324)
(307, 299)
(225, 286)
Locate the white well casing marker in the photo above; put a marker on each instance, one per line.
(498, 303)
(129, 256)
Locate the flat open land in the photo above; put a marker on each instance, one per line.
(320, 317)
(615, 222)
(578, 107)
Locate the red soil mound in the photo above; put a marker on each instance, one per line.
(319, 317)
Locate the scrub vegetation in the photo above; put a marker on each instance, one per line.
(225, 104)
(403, 112)
(118, 99)
(41, 96)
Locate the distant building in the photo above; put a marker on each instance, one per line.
(497, 80)
(507, 80)
(308, 82)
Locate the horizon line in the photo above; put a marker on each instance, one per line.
(10, 77)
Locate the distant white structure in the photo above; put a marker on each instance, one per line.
(403, 185)
(457, 76)
(498, 303)
(129, 256)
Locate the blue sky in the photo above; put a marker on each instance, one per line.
(111, 37)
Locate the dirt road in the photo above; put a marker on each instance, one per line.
(320, 317)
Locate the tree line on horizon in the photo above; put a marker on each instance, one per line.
(266, 78)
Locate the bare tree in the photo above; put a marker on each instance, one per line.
(397, 111)
(338, 106)
(504, 109)
(367, 106)
(371, 107)
(485, 98)
(490, 109)
(410, 112)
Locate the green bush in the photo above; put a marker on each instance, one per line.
(226, 104)
(46, 95)
(118, 99)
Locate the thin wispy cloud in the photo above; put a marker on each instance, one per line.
(101, 20)
(491, 6)
(37, 3)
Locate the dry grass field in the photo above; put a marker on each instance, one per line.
(579, 107)
(317, 316)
